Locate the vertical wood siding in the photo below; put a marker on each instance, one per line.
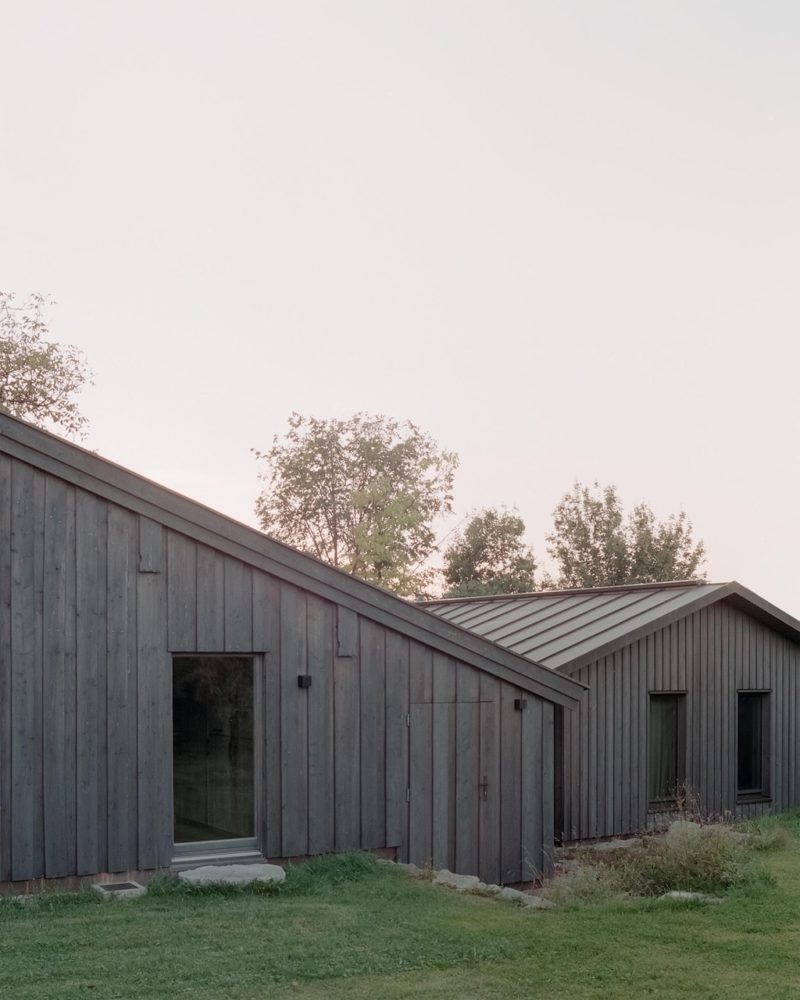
(709, 655)
(393, 744)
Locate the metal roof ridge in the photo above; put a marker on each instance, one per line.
(567, 591)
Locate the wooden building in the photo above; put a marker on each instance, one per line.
(693, 690)
(175, 686)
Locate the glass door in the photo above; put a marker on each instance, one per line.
(212, 741)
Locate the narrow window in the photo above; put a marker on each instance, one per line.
(752, 745)
(212, 735)
(666, 754)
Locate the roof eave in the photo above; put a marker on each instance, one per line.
(119, 485)
(734, 593)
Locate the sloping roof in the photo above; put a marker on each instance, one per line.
(84, 469)
(564, 629)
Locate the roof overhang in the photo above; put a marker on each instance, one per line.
(86, 470)
(732, 593)
(698, 597)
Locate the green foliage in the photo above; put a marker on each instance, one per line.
(489, 557)
(769, 833)
(361, 494)
(328, 871)
(587, 885)
(38, 378)
(595, 545)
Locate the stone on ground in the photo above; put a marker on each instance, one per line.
(609, 846)
(232, 874)
(525, 898)
(408, 868)
(691, 897)
(462, 883)
(119, 890)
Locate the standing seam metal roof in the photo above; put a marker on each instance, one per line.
(558, 628)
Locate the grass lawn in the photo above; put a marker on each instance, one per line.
(352, 928)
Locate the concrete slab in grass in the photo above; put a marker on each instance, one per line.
(119, 890)
(232, 874)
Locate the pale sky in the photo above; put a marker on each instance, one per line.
(562, 237)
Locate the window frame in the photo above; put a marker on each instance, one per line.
(669, 803)
(764, 792)
(237, 848)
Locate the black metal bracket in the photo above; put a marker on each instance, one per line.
(520, 703)
(304, 680)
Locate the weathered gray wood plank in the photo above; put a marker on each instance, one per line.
(573, 722)
(151, 546)
(608, 747)
(210, 600)
(421, 673)
(154, 703)
(716, 681)
(587, 733)
(238, 607)
(444, 776)
(697, 705)
(467, 764)
(619, 729)
(723, 674)
(547, 787)
(123, 827)
(266, 639)
(5, 668)
(490, 780)
(421, 784)
(531, 803)
(320, 726)
(637, 817)
(626, 746)
(707, 722)
(181, 593)
(467, 784)
(397, 729)
(346, 632)
(91, 558)
(58, 688)
(373, 735)
(347, 752)
(294, 722)
(510, 783)
(598, 764)
(444, 785)
(27, 502)
(558, 788)
(468, 683)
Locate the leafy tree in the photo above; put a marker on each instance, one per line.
(489, 557)
(360, 494)
(38, 378)
(595, 545)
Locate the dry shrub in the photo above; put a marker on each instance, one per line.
(587, 884)
(689, 857)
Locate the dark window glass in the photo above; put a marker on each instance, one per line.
(665, 747)
(212, 739)
(753, 724)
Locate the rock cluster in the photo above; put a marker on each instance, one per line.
(472, 884)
